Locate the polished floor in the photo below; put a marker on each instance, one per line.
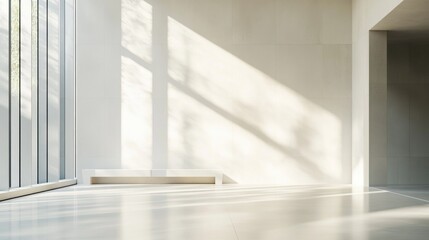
(218, 212)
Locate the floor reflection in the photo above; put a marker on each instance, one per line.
(218, 212)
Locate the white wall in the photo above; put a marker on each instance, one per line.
(367, 13)
(408, 114)
(258, 88)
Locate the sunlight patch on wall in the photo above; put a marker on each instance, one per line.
(136, 117)
(136, 25)
(227, 114)
(136, 84)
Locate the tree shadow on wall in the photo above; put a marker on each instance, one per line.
(209, 97)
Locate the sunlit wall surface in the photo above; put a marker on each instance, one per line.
(33, 92)
(260, 89)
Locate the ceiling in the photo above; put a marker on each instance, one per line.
(409, 21)
(410, 15)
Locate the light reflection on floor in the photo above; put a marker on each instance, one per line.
(218, 212)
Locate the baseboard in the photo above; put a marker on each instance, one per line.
(24, 191)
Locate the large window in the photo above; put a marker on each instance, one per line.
(36, 92)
